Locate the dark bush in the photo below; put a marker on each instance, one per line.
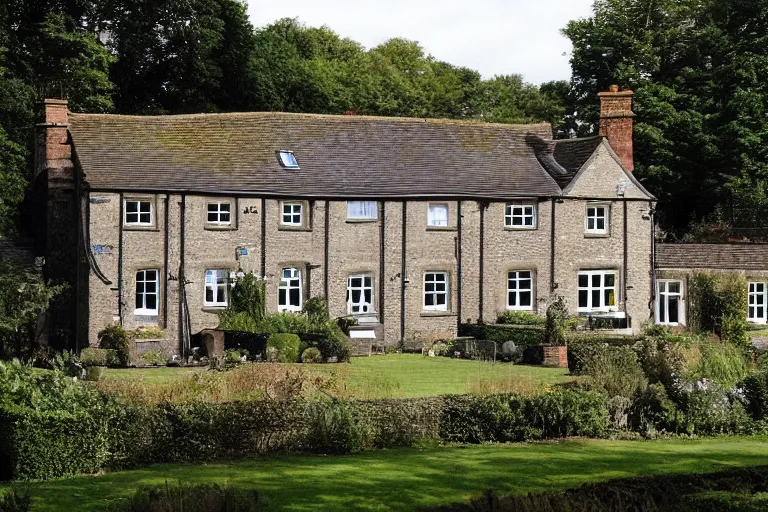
(520, 318)
(652, 410)
(94, 357)
(190, 498)
(118, 339)
(334, 429)
(15, 500)
(287, 346)
(755, 389)
(478, 419)
(137, 435)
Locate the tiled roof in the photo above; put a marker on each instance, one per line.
(339, 156)
(562, 159)
(738, 256)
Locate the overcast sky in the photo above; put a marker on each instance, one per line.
(491, 36)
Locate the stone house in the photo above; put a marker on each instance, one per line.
(408, 225)
(676, 264)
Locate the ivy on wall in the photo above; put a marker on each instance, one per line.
(718, 303)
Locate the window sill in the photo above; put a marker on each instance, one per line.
(527, 228)
(597, 235)
(441, 228)
(293, 228)
(214, 309)
(427, 314)
(361, 221)
(131, 227)
(223, 227)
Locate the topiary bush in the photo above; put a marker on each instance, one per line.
(311, 355)
(286, 345)
(118, 339)
(556, 322)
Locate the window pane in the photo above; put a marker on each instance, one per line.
(583, 298)
(610, 279)
(145, 206)
(295, 297)
(224, 217)
(600, 224)
(674, 287)
(355, 295)
(596, 279)
(367, 294)
(139, 300)
(429, 287)
(525, 298)
(610, 298)
(583, 281)
(441, 299)
(512, 299)
(281, 297)
(591, 224)
(368, 282)
(674, 310)
(208, 294)
(145, 218)
(152, 301)
(429, 299)
(595, 298)
(224, 207)
(151, 287)
(131, 207)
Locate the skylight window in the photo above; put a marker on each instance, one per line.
(287, 159)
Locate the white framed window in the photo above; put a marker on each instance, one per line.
(669, 302)
(138, 212)
(287, 159)
(360, 294)
(436, 291)
(289, 291)
(146, 292)
(520, 215)
(216, 284)
(756, 305)
(596, 219)
(520, 290)
(292, 213)
(437, 215)
(597, 290)
(362, 210)
(219, 213)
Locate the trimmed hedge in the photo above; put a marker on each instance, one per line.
(522, 336)
(49, 444)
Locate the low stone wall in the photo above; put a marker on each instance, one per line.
(556, 356)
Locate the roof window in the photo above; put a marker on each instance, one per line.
(287, 159)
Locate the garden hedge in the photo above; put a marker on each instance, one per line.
(522, 336)
(49, 444)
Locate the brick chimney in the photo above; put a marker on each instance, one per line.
(54, 152)
(616, 119)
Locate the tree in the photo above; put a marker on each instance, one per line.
(699, 69)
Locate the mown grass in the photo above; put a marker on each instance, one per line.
(391, 376)
(407, 479)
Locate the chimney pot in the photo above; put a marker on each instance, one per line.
(616, 120)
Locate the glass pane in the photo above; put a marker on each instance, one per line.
(440, 287)
(525, 298)
(132, 217)
(295, 297)
(140, 287)
(525, 284)
(281, 297)
(600, 224)
(139, 300)
(583, 297)
(441, 299)
(595, 298)
(517, 221)
(662, 310)
(209, 294)
(224, 207)
(760, 312)
(429, 287)
(355, 295)
(145, 218)
(583, 281)
(367, 295)
(224, 217)
(151, 287)
(367, 282)
(512, 284)
(751, 313)
(152, 301)
(131, 207)
(429, 300)
(674, 287)
(512, 299)
(596, 278)
(610, 280)
(145, 207)
(674, 310)
(213, 207)
(356, 282)
(610, 297)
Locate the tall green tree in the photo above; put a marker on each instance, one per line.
(699, 70)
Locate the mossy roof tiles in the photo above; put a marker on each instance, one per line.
(339, 156)
(733, 256)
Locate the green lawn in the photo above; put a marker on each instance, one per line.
(406, 479)
(401, 375)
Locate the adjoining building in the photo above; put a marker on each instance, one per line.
(408, 225)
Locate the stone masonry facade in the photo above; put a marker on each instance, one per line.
(476, 249)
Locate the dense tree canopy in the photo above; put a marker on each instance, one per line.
(700, 72)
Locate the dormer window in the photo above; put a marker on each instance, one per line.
(287, 159)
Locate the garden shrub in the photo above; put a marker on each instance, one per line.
(733, 310)
(50, 444)
(249, 296)
(520, 318)
(522, 336)
(755, 388)
(15, 500)
(722, 363)
(311, 355)
(334, 429)
(190, 498)
(287, 346)
(663, 362)
(616, 370)
(136, 435)
(94, 373)
(478, 419)
(569, 412)
(401, 422)
(152, 357)
(652, 410)
(118, 339)
(94, 357)
(703, 302)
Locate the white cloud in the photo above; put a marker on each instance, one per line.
(492, 36)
